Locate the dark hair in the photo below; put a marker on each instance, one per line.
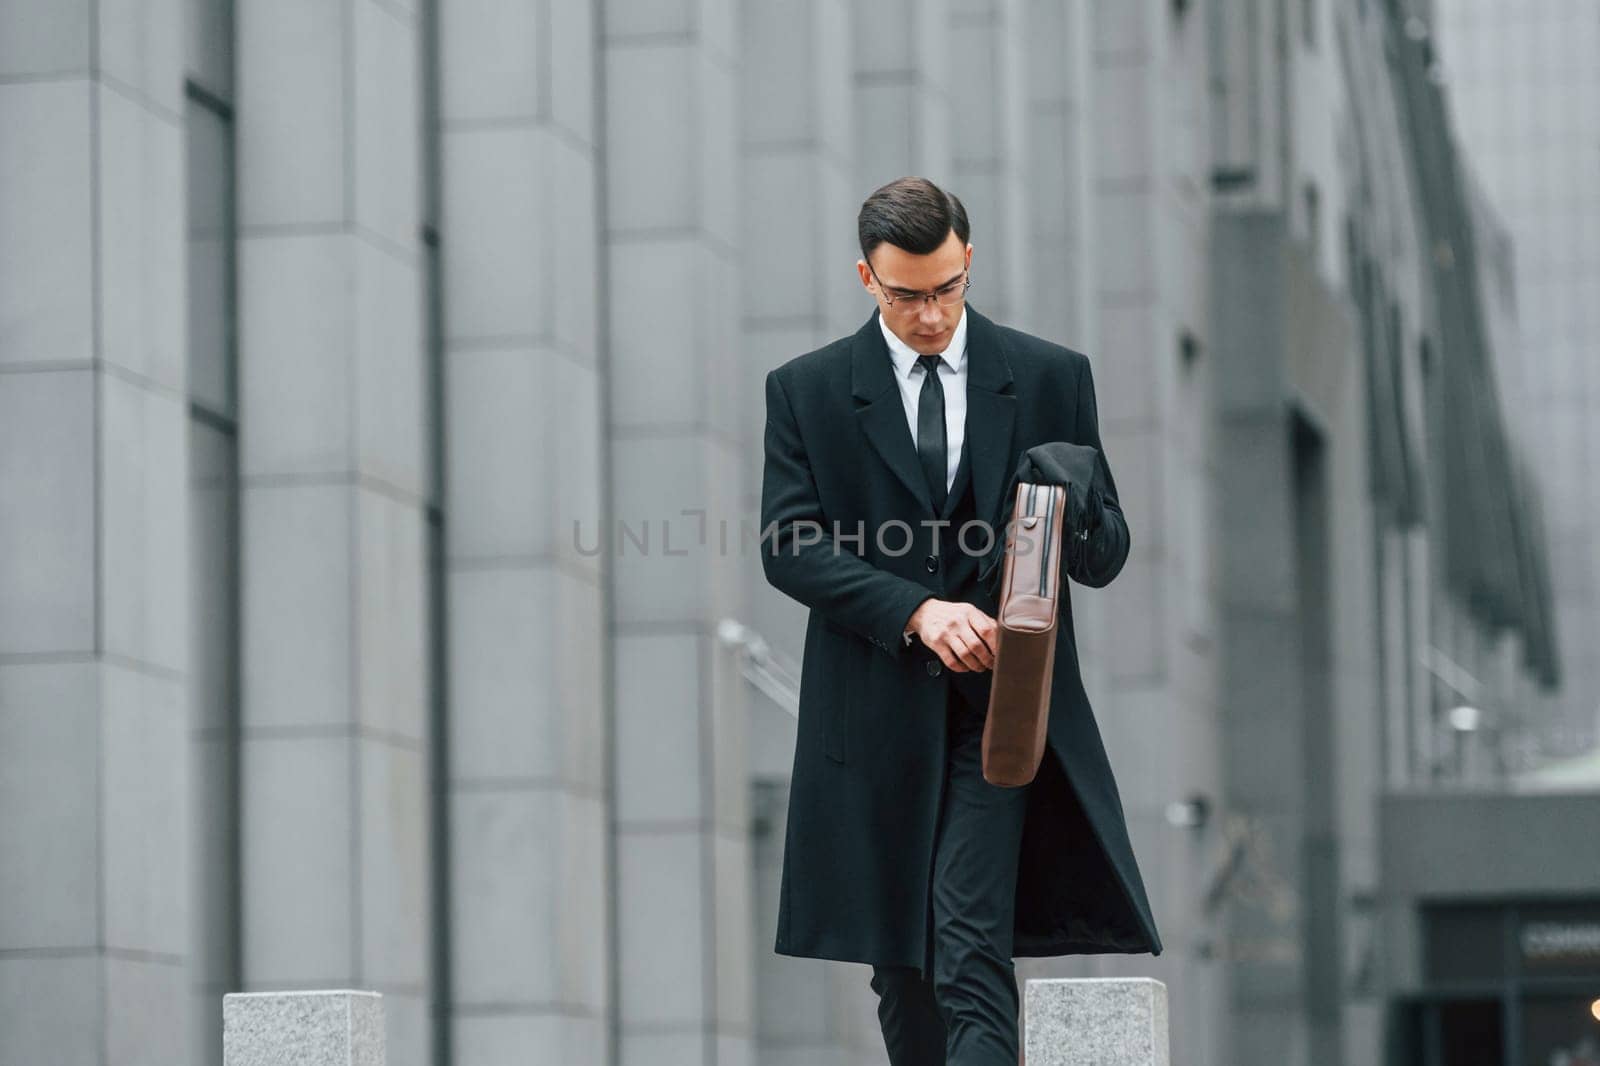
(910, 213)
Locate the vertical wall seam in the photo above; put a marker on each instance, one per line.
(608, 593)
(96, 409)
(350, 252)
(702, 70)
(437, 533)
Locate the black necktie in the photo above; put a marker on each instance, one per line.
(931, 446)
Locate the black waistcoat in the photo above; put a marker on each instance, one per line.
(958, 569)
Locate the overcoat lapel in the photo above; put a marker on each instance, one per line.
(991, 415)
(880, 412)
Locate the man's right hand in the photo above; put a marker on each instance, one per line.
(961, 635)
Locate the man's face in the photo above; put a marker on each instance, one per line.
(925, 325)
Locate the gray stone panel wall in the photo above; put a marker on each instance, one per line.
(94, 661)
(905, 82)
(531, 959)
(335, 845)
(672, 188)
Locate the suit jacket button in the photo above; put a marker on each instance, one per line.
(932, 563)
(934, 667)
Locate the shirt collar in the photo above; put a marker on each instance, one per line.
(905, 357)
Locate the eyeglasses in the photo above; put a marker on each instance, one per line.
(945, 296)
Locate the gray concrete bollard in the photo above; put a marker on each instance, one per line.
(337, 1027)
(1110, 1021)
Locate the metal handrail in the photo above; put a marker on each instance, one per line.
(773, 673)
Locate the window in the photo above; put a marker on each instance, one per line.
(1313, 213)
(209, 128)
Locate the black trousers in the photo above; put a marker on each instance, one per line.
(968, 1013)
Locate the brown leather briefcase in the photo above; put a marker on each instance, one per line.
(1019, 697)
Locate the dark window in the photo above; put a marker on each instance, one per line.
(209, 127)
(1188, 349)
(1313, 206)
(1471, 1033)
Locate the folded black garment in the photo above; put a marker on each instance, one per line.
(1074, 466)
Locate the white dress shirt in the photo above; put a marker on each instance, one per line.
(953, 376)
(908, 375)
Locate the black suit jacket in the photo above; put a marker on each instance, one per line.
(869, 756)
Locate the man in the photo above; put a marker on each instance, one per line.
(887, 454)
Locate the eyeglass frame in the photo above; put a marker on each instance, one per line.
(927, 294)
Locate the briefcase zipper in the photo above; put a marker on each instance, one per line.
(1049, 513)
(1044, 562)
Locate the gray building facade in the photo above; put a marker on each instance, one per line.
(380, 424)
(1522, 84)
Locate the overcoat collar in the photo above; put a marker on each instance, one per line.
(991, 411)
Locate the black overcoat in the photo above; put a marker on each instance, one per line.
(843, 495)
